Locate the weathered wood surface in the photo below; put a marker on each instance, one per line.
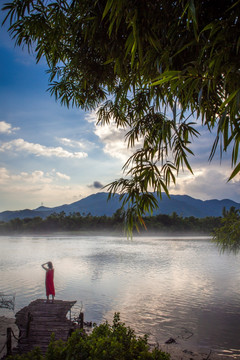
(38, 320)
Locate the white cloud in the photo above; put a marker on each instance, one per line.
(209, 182)
(91, 117)
(4, 175)
(40, 150)
(83, 144)
(29, 190)
(6, 128)
(114, 142)
(210, 178)
(37, 176)
(71, 143)
(62, 176)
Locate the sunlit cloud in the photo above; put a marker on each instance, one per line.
(6, 128)
(83, 144)
(37, 176)
(207, 183)
(91, 117)
(40, 150)
(209, 177)
(114, 141)
(35, 187)
(71, 143)
(63, 176)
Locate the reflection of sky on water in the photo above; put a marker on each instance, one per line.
(164, 287)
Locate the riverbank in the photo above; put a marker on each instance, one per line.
(179, 352)
(176, 350)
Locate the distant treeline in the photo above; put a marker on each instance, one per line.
(60, 222)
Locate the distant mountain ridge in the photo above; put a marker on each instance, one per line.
(97, 205)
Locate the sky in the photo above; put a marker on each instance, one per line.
(51, 155)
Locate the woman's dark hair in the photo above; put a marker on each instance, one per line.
(50, 265)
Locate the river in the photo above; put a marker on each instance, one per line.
(179, 287)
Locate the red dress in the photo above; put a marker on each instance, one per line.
(50, 290)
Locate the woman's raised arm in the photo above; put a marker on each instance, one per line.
(43, 266)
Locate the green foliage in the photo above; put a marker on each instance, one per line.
(116, 224)
(106, 342)
(147, 66)
(227, 236)
(35, 354)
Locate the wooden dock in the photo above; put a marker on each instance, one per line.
(38, 320)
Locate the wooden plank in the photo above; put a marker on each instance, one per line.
(39, 320)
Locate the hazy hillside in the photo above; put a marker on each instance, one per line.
(98, 205)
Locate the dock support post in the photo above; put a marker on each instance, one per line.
(9, 341)
(81, 320)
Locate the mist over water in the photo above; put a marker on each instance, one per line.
(178, 287)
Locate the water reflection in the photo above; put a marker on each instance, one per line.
(167, 287)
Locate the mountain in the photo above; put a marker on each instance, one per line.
(97, 205)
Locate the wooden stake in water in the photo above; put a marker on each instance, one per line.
(9, 341)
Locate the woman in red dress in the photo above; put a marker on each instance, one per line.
(50, 290)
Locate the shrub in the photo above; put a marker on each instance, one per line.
(106, 342)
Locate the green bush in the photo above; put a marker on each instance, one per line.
(106, 342)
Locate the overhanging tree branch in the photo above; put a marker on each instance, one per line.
(147, 57)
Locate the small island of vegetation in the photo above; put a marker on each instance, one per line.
(76, 222)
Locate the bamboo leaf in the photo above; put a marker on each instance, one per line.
(107, 8)
(235, 172)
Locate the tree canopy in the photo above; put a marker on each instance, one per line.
(227, 235)
(81, 224)
(147, 66)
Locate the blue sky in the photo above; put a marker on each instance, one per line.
(52, 155)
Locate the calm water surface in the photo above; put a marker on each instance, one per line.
(178, 287)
